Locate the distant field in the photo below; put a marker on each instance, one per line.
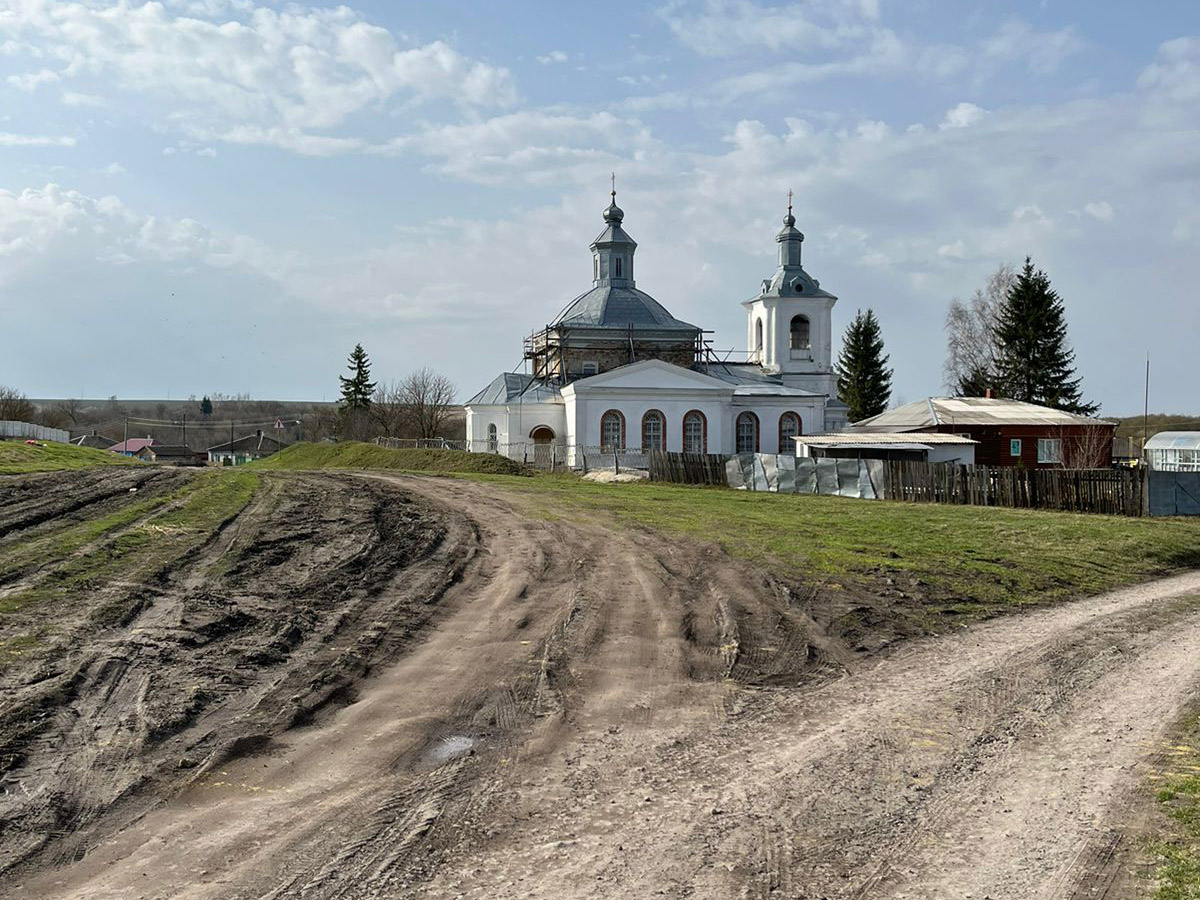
(17, 457)
(354, 455)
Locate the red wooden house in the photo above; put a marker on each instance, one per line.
(1009, 432)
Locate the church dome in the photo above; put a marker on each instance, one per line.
(613, 214)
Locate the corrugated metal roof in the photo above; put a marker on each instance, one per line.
(1174, 440)
(936, 411)
(750, 379)
(880, 439)
(510, 387)
(607, 306)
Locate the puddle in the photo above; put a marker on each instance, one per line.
(449, 748)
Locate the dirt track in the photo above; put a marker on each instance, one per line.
(586, 713)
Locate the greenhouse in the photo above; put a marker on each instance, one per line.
(1174, 451)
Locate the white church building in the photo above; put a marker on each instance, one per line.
(616, 371)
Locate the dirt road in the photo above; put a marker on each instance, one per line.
(588, 713)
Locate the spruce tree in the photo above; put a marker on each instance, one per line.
(358, 388)
(206, 407)
(1034, 361)
(864, 380)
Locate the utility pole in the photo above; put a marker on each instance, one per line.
(1146, 407)
(185, 429)
(232, 455)
(125, 442)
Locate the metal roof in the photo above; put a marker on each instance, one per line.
(899, 440)
(936, 411)
(1174, 440)
(607, 306)
(749, 379)
(511, 387)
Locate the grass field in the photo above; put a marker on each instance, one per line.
(972, 560)
(17, 457)
(131, 541)
(354, 455)
(1177, 850)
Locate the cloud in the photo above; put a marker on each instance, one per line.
(1102, 211)
(53, 225)
(532, 146)
(963, 115)
(554, 56)
(8, 139)
(251, 74)
(727, 27)
(1176, 71)
(113, 168)
(30, 81)
(1041, 52)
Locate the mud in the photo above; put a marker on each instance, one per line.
(406, 688)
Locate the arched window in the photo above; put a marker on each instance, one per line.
(789, 427)
(493, 439)
(654, 431)
(695, 432)
(612, 431)
(758, 337)
(746, 432)
(800, 333)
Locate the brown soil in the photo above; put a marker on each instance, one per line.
(400, 687)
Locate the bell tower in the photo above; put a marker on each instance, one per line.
(789, 324)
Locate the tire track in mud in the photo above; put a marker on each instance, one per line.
(211, 659)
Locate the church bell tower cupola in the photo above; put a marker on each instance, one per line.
(789, 324)
(612, 251)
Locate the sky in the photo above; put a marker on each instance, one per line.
(224, 196)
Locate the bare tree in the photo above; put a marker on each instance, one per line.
(429, 398)
(389, 409)
(1086, 448)
(71, 408)
(970, 335)
(14, 407)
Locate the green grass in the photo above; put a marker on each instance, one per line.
(973, 561)
(150, 545)
(355, 455)
(1177, 854)
(17, 457)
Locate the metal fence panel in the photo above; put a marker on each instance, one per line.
(1174, 493)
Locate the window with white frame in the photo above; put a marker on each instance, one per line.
(789, 428)
(612, 431)
(694, 437)
(653, 431)
(493, 439)
(591, 368)
(1049, 450)
(746, 432)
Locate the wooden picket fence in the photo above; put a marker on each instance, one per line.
(688, 468)
(1118, 492)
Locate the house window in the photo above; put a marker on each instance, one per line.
(591, 368)
(695, 432)
(1014, 447)
(654, 430)
(612, 431)
(1049, 450)
(800, 333)
(493, 439)
(789, 427)
(746, 432)
(617, 273)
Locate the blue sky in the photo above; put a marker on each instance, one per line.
(202, 196)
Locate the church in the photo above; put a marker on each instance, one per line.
(617, 371)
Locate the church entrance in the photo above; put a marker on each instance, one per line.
(543, 446)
